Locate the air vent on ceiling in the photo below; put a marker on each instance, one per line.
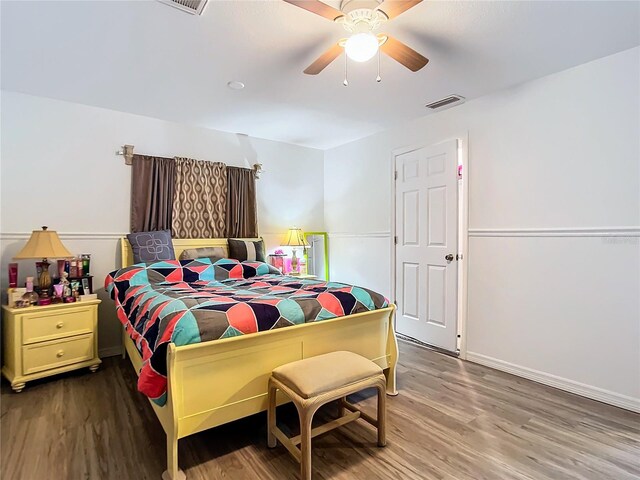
(449, 101)
(194, 7)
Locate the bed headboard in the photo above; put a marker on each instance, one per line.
(179, 245)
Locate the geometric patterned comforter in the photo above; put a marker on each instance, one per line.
(193, 301)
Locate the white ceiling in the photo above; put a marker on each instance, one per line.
(147, 58)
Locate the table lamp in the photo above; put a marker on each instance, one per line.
(295, 238)
(43, 244)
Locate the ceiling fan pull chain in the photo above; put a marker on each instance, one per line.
(346, 80)
(378, 78)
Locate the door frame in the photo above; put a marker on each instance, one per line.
(463, 233)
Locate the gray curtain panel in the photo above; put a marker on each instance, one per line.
(200, 199)
(152, 190)
(242, 217)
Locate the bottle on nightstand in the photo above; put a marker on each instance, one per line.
(30, 297)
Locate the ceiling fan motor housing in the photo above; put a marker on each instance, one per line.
(362, 20)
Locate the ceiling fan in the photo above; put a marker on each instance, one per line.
(361, 18)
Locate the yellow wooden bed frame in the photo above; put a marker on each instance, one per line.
(216, 382)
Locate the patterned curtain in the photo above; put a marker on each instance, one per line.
(242, 217)
(200, 199)
(152, 184)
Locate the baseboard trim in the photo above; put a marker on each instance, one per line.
(588, 391)
(110, 351)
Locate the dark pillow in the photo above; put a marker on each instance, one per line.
(246, 249)
(151, 246)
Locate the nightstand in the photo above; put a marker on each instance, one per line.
(41, 341)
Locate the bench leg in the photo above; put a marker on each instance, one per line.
(306, 418)
(382, 416)
(341, 409)
(271, 416)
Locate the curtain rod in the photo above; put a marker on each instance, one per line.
(126, 151)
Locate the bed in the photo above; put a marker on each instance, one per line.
(216, 382)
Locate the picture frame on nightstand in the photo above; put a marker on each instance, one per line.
(14, 296)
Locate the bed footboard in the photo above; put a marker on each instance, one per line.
(217, 382)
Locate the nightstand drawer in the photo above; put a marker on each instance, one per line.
(42, 326)
(48, 355)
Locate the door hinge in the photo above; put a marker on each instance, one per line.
(395, 239)
(395, 175)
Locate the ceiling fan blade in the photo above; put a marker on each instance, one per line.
(324, 60)
(393, 8)
(317, 7)
(403, 54)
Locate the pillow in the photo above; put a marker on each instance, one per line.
(253, 269)
(202, 252)
(232, 269)
(151, 246)
(246, 249)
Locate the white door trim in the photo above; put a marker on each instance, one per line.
(463, 234)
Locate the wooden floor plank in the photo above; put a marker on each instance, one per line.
(453, 420)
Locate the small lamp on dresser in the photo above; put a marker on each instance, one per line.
(43, 244)
(295, 238)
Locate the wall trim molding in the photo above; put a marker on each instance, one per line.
(359, 235)
(556, 232)
(571, 386)
(520, 232)
(85, 235)
(66, 235)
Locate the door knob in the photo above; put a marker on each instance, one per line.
(449, 257)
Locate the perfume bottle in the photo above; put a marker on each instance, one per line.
(30, 297)
(86, 259)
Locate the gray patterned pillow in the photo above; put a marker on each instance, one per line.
(202, 252)
(151, 246)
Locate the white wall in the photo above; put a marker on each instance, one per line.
(562, 153)
(59, 169)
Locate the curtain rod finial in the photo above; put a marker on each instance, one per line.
(257, 170)
(127, 153)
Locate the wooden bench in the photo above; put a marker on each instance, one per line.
(315, 381)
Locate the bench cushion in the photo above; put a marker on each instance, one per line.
(324, 373)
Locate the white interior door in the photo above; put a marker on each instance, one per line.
(427, 244)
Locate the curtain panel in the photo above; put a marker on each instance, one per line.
(152, 190)
(200, 199)
(242, 217)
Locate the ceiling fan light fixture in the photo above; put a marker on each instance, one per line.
(361, 47)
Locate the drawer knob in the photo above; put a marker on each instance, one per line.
(60, 325)
(60, 353)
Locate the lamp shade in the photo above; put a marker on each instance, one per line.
(43, 244)
(295, 238)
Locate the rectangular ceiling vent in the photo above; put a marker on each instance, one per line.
(194, 7)
(447, 102)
